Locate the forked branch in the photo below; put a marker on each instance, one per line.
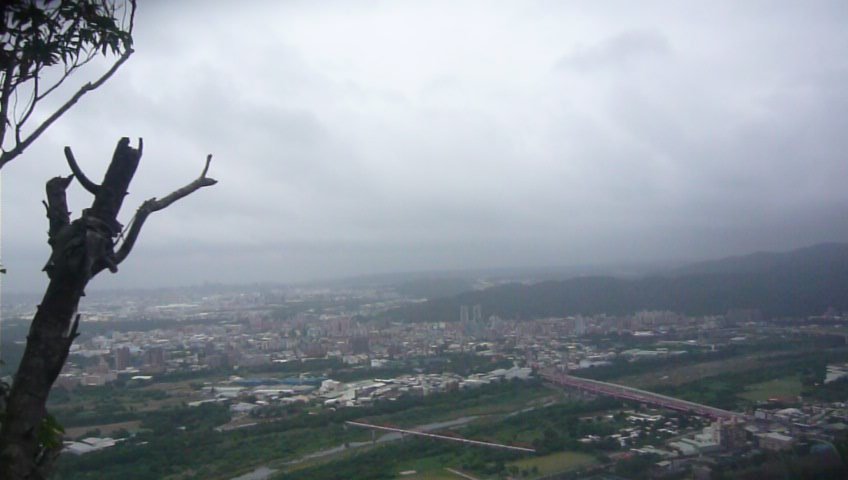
(154, 205)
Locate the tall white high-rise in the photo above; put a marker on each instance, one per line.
(477, 313)
(463, 313)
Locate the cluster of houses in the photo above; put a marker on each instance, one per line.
(247, 395)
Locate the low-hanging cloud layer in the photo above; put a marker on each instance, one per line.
(362, 137)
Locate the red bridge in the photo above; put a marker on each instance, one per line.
(634, 394)
(419, 433)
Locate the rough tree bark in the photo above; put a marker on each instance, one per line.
(29, 439)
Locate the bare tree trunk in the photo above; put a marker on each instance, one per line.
(29, 439)
(24, 453)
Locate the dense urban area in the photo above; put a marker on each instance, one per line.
(265, 382)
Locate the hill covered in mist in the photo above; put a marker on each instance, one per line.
(802, 282)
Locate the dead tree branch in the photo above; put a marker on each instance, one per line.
(57, 204)
(90, 186)
(80, 250)
(154, 205)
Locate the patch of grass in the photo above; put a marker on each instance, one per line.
(778, 388)
(426, 465)
(555, 462)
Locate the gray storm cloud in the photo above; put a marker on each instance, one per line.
(381, 136)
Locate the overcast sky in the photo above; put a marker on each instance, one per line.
(371, 136)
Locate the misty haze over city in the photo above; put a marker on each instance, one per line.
(385, 136)
(428, 240)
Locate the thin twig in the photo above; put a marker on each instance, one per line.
(68, 72)
(6, 157)
(30, 105)
(132, 18)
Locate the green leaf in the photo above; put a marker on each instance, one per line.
(50, 432)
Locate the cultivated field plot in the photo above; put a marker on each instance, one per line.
(554, 463)
(433, 475)
(497, 403)
(780, 388)
(678, 375)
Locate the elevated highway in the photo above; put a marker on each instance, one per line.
(637, 395)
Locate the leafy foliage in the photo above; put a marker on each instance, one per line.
(50, 433)
(39, 35)
(36, 35)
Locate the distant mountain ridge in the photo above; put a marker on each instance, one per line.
(802, 282)
(821, 256)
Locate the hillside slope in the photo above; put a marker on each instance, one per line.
(800, 283)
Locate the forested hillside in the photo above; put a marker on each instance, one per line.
(799, 283)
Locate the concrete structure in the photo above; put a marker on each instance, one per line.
(90, 444)
(477, 313)
(775, 441)
(122, 358)
(731, 434)
(463, 314)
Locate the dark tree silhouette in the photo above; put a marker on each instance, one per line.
(30, 439)
(42, 44)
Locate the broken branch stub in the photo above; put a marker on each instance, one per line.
(110, 195)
